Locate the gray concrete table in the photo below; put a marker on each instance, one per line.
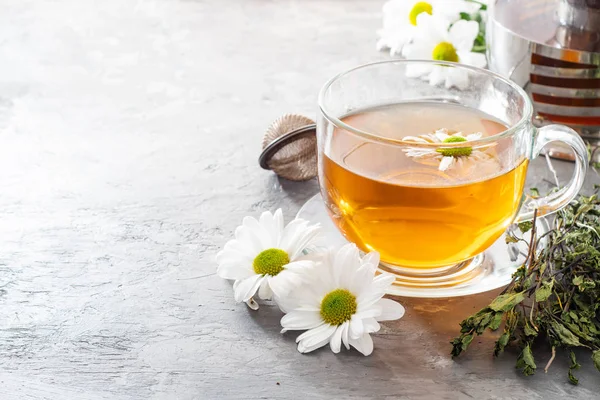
(129, 133)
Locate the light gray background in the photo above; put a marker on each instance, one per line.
(129, 134)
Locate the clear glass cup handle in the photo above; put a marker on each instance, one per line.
(557, 200)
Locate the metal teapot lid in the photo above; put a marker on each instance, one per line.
(564, 24)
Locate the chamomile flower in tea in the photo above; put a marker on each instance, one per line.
(446, 157)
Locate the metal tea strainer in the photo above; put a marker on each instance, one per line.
(290, 148)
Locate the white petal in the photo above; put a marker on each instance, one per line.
(345, 332)
(301, 320)
(292, 233)
(336, 340)
(368, 312)
(432, 28)
(258, 232)
(414, 139)
(463, 33)
(473, 136)
(278, 221)
(264, 291)
(418, 51)
(246, 288)
(364, 344)
(458, 78)
(418, 69)
(300, 266)
(288, 236)
(450, 10)
(284, 282)
(437, 75)
(441, 136)
(371, 325)
(315, 338)
(231, 256)
(244, 249)
(362, 279)
(474, 59)
(390, 310)
(345, 265)
(270, 226)
(235, 271)
(376, 291)
(304, 348)
(303, 240)
(371, 258)
(253, 240)
(446, 163)
(357, 327)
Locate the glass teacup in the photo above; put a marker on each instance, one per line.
(430, 176)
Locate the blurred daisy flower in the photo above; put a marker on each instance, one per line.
(400, 19)
(435, 40)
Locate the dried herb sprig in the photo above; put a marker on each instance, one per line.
(554, 295)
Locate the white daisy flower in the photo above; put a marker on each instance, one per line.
(449, 157)
(400, 19)
(434, 41)
(342, 303)
(267, 258)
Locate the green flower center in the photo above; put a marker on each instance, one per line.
(420, 7)
(456, 152)
(445, 51)
(270, 262)
(338, 307)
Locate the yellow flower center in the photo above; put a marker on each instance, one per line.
(420, 7)
(270, 262)
(456, 152)
(445, 51)
(338, 307)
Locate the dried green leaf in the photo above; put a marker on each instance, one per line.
(526, 362)
(501, 343)
(466, 341)
(525, 226)
(484, 323)
(507, 301)
(573, 315)
(572, 378)
(510, 239)
(573, 366)
(544, 291)
(563, 334)
(496, 321)
(596, 359)
(560, 284)
(573, 359)
(529, 331)
(456, 346)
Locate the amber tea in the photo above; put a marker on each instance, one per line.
(405, 207)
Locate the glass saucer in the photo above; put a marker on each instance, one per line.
(490, 270)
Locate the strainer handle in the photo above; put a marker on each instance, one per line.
(559, 199)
